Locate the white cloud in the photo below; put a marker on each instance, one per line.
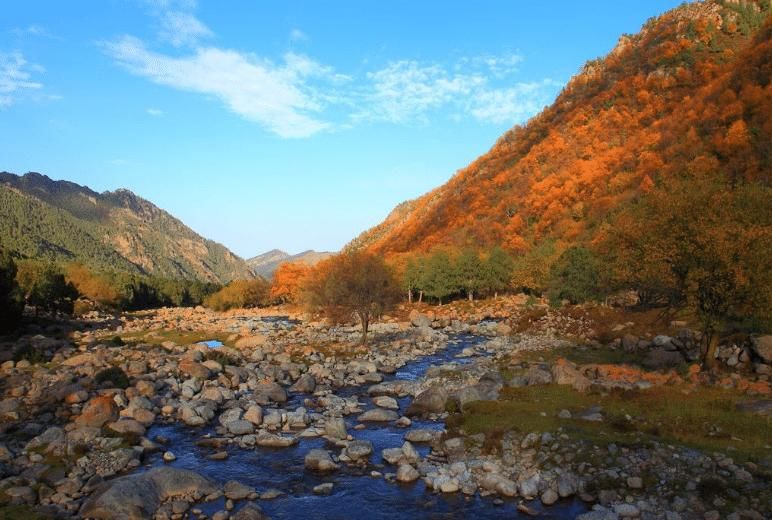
(512, 104)
(275, 96)
(16, 77)
(155, 112)
(180, 28)
(404, 91)
(296, 35)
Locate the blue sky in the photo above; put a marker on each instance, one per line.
(294, 125)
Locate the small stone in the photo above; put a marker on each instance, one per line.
(407, 473)
(549, 497)
(324, 489)
(169, 456)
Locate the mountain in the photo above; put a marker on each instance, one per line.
(265, 264)
(689, 95)
(114, 230)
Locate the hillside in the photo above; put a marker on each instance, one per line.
(114, 231)
(689, 95)
(266, 264)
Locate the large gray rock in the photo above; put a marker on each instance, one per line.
(431, 400)
(659, 358)
(139, 496)
(320, 460)
(378, 415)
(762, 346)
(335, 427)
(305, 384)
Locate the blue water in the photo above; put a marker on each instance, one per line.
(212, 343)
(355, 494)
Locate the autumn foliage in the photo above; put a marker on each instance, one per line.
(689, 94)
(288, 282)
(351, 285)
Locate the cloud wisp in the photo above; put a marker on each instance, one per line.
(274, 95)
(16, 77)
(297, 96)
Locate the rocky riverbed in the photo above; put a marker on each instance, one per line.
(284, 418)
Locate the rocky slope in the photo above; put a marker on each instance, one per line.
(687, 96)
(63, 221)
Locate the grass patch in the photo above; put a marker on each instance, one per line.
(10, 512)
(705, 419)
(180, 337)
(584, 355)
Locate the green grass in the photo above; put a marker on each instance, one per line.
(705, 419)
(179, 337)
(584, 355)
(9, 512)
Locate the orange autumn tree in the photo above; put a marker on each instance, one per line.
(288, 281)
(352, 284)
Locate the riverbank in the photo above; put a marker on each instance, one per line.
(481, 409)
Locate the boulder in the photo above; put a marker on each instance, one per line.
(431, 400)
(305, 384)
(240, 427)
(358, 450)
(127, 426)
(139, 496)
(254, 414)
(319, 460)
(235, 490)
(762, 346)
(98, 411)
(659, 358)
(378, 415)
(384, 401)
(418, 319)
(538, 376)
(250, 511)
(407, 473)
(335, 427)
(564, 373)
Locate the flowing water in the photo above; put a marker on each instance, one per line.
(355, 494)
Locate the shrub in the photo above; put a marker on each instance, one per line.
(574, 276)
(115, 375)
(240, 294)
(11, 303)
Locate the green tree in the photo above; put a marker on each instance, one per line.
(412, 277)
(46, 288)
(497, 271)
(532, 270)
(708, 244)
(439, 277)
(11, 302)
(469, 272)
(574, 276)
(353, 283)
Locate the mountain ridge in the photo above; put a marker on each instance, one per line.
(667, 100)
(113, 230)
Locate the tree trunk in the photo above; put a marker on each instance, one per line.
(495, 295)
(709, 360)
(470, 294)
(365, 327)
(410, 297)
(420, 296)
(439, 302)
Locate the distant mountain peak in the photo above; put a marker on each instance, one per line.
(266, 263)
